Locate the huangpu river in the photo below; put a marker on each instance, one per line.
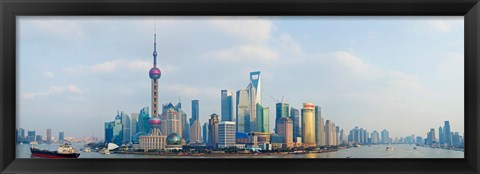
(373, 151)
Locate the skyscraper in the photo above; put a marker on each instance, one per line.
(196, 132)
(133, 124)
(263, 121)
(281, 110)
(337, 135)
(171, 122)
(30, 136)
(226, 134)
(118, 130)
(213, 130)
(126, 128)
(285, 129)
(295, 116)
(330, 133)
(61, 136)
(447, 132)
(227, 105)
(243, 111)
(49, 136)
(375, 137)
(205, 133)
(441, 135)
(109, 131)
(22, 134)
(195, 110)
(255, 97)
(308, 124)
(184, 125)
(195, 127)
(319, 127)
(143, 118)
(385, 137)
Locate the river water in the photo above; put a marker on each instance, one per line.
(373, 151)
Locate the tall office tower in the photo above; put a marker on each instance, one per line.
(243, 111)
(432, 137)
(254, 98)
(213, 130)
(447, 132)
(143, 118)
(281, 110)
(39, 138)
(205, 133)
(133, 124)
(226, 134)
(195, 132)
(319, 127)
(118, 130)
(337, 135)
(21, 134)
(297, 130)
(171, 122)
(308, 124)
(342, 136)
(30, 136)
(126, 128)
(419, 140)
(195, 111)
(263, 121)
(109, 131)
(441, 135)
(385, 137)
(285, 129)
(328, 134)
(49, 136)
(375, 137)
(61, 136)
(184, 125)
(227, 105)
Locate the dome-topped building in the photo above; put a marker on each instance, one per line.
(174, 139)
(174, 142)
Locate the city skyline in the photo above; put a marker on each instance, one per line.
(108, 71)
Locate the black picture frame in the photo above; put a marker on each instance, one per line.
(9, 9)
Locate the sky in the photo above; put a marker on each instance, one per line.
(403, 74)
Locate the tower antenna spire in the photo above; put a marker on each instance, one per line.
(155, 43)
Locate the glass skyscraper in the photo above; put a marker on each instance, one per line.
(195, 110)
(243, 112)
(143, 118)
(227, 105)
(447, 132)
(308, 124)
(263, 121)
(295, 116)
(255, 97)
(319, 127)
(282, 110)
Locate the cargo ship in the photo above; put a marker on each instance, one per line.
(63, 151)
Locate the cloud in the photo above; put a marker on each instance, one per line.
(255, 30)
(48, 74)
(53, 90)
(112, 66)
(243, 53)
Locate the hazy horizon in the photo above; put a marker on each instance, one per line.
(403, 74)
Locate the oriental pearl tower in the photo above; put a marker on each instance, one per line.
(155, 74)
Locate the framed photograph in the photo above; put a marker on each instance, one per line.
(213, 86)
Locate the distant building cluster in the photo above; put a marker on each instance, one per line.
(244, 123)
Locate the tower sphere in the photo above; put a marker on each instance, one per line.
(155, 73)
(154, 122)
